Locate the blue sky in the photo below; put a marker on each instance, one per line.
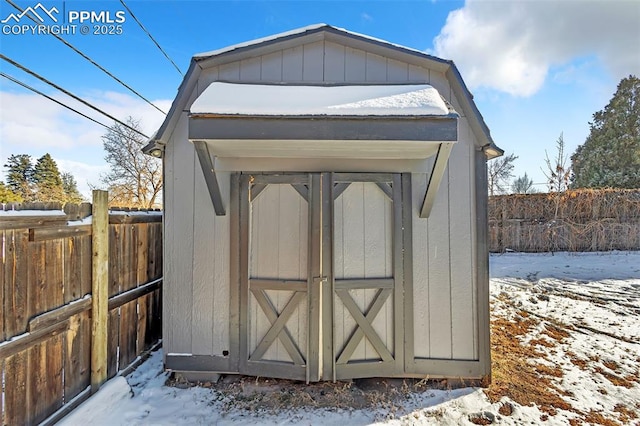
(536, 68)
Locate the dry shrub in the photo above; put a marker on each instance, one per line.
(506, 409)
(581, 220)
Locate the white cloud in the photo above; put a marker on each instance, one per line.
(85, 174)
(33, 125)
(510, 45)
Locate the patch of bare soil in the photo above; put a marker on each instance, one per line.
(262, 395)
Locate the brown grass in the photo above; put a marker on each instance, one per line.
(596, 417)
(578, 362)
(611, 365)
(626, 382)
(626, 414)
(542, 342)
(513, 376)
(555, 333)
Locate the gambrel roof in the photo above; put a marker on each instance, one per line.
(319, 32)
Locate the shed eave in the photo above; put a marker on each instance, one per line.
(323, 128)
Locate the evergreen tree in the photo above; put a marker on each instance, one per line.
(499, 172)
(610, 157)
(523, 185)
(48, 181)
(7, 195)
(20, 176)
(70, 188)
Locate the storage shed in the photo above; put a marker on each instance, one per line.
(325, 213)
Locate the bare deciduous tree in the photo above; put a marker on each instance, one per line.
(499, 173)
(558, 173)
(135, 179)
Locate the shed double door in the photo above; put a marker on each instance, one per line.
(321, 275)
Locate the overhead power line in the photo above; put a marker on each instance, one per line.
(151, 37)
(33, 89)
(26, 86)
(66, 92)
(100, 67)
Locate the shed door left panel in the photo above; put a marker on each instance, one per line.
(274, 255)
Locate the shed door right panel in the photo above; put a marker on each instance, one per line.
(368, 277)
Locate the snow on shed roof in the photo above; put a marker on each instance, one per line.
(298, 100)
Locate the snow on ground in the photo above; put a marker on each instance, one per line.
(579, 321)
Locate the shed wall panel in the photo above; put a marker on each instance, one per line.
(355, 62)
(272, 67)
(417, 74)
(292, 60)
(334, 62)
(207, 77)
(169, 261)
(439, 258)
(210, 313)
(228, 72)
(204, 269)
(376, 71)
(461, 202)
(313, 62)
(180, 288)
(250, 69)
(440, 83)
(420, 239)
(221, 283)
(397, 71)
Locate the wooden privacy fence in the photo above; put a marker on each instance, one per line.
(581, 220)
(57, 313)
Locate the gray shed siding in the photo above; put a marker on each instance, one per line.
(197, 277)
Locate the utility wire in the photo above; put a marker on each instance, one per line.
(66, 92)
(26, 86)
(151, 37)
(91, 60)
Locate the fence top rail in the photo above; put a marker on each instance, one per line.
(39, 215)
